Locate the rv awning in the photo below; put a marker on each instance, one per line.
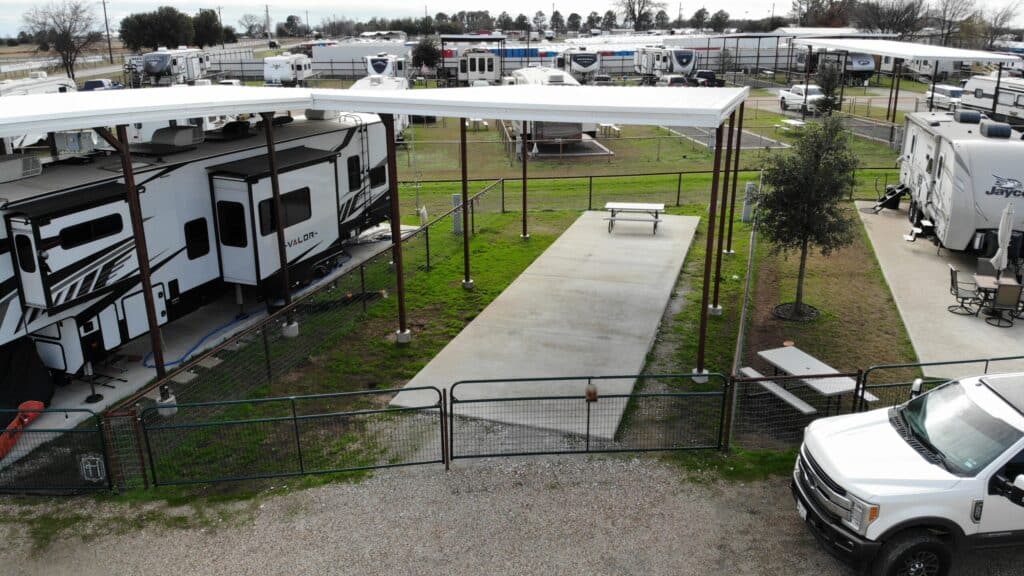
(904, 50)
(701, 107)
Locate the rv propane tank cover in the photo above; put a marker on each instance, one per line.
(967, 116)
(995, 130)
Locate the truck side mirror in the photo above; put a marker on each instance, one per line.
(1018, 482)
(915, 388)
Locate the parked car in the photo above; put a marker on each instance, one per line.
(673, 80)
(946, 96)
(101, 84)
(795, 96)
(907, 490)
(706, 78)
(601, 80)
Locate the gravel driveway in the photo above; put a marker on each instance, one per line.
(571, 515)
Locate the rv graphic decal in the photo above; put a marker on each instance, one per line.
(1006, 187)
(301, 239)
(584, 60)
(379, 65)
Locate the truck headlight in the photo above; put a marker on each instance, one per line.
(861, 515)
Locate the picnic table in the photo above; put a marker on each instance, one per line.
(795, 362)
(610, 130)
(637, 212)
(476, 124)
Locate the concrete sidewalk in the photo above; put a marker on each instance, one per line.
(590, 305)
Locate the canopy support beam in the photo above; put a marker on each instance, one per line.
(526, 160)
(275, 189)
(403, 336)
(896, 96)
(735, 179)
(935, 78)
(716, 306)
(995, 95)
(467, 282)
(807, 83)
(708, 249)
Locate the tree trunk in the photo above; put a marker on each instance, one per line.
(799, 306)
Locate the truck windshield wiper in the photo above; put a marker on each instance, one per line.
(923, 441)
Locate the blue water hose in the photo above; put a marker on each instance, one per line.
(147, 359)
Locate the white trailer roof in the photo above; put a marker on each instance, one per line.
(702, 107)
(905, 50)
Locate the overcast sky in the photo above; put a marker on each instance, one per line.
(10, 15)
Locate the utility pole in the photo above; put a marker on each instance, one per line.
(308, 29)
(220, 22)
(106, 24)
(266, 25)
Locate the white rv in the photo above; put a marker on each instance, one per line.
(169, 67)
(652, 62)
(581, 63)
(378, 82)
(549, 132)
(287, 70)
(65, 144)
(70, 281)
(37, 83)
(385, 64)
(960, 171)
(479, 64)
(979, 92)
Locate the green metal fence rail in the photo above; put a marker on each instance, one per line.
(899, 389)
(291, 436)
(687, 415)
(56, 461)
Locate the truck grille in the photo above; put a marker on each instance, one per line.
(825, 491)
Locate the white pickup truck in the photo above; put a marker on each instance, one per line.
(794, 96)
(905, 490)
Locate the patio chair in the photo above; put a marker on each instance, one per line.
(965, 294)
(1004, 305)
(985, 267)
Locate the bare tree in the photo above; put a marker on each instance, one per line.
(252, 24)
(639, 13)
(69, 27)
(900, 17)
(997, 22)
(948, 15)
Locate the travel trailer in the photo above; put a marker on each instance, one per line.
(652, 62)
(581, 63)
(479, 64)
(37, 83)
(64, 144)
(287, 70)
(960, 170)
(859, 67)
(551, 131)
(70, 282)
(168, 67)
(385, 64)
(378, 82)
(979, 92)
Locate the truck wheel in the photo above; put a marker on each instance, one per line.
(782, 104)
(913, 553)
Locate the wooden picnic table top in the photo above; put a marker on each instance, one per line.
(796, 362)
(991, 283)
(631, 206)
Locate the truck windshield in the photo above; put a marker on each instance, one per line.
(949, 423)
(812, 91)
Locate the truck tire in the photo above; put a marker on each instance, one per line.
(913, 553)
(782, 104)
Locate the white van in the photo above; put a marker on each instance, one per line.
(946, 96)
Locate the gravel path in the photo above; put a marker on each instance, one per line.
(532, 516)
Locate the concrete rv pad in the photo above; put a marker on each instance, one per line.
(919, 280)
(589, 305)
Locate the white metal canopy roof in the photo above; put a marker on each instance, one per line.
(702, 107)
(905, 50)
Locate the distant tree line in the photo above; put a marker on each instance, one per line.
(167, 26)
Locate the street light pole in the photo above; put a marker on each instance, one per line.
(220, 22)
(106, 24)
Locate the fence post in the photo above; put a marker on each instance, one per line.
(446, 455)
(266, 355)
(362, 282)
(426, 239)
(502, 195)
(679, 186)
(590, 193)
(298, 441)
(137, 430)
(728, 408)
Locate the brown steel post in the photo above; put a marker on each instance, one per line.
(935, 78)
(708, 249)
(526, 156)
(403, 335)
(467, 283)
(275, 190)
(735, 178)
(892, 86)
(807, 82)
(896, 98)
(141, 251)
(716, 307)
(995, 96)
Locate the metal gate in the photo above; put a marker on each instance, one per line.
(48, 459)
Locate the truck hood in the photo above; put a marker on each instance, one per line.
(864, 454)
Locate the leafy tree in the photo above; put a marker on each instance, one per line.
(826, 13)
(719, 20)
(802, 206)
(522, 22)
(699, 18)
(828, 79)
(230, 36)
(574, 21)
(505, 22)
(900, 17)
(426, 53)
(639, 13)
(293, 25)
(206, 28)
(540, 21)
(557, 21)
(765, 24)
(252, 25)
(662, 20)
(69, 27)
(593, 21)
(164, 27)
(609, 21)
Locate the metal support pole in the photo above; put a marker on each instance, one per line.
(735, 179)
(896, 98)
(935, 77)
(526, 156)
(716, 306)
(995, 96)
(892, 86)
(807, 82)
(403, 336)
(141, 249)
(275, 188)
(842, 83)
(467, 283)
(708, 249)
(789, 63)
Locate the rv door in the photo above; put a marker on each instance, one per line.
(135, 317)
(234, 231)
(28, 264)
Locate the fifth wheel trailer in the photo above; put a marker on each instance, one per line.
(550, 132)
(70, 281)
(960, 172)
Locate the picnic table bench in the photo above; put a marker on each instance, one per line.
(637, 212)
(610, 130)
(795, 362)
(780, 392)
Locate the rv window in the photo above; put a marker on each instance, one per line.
(490, 64)
(26, 258)
(462, 66)
(90, 231)
(197, 238)
(1006, 98)
(913, 142)
(472, 64)
(378, 176)
(355, 178)
(62, 89)
(886, 60)
(231, 222)
(296, 208)
(1020, 101)
(938, 174)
